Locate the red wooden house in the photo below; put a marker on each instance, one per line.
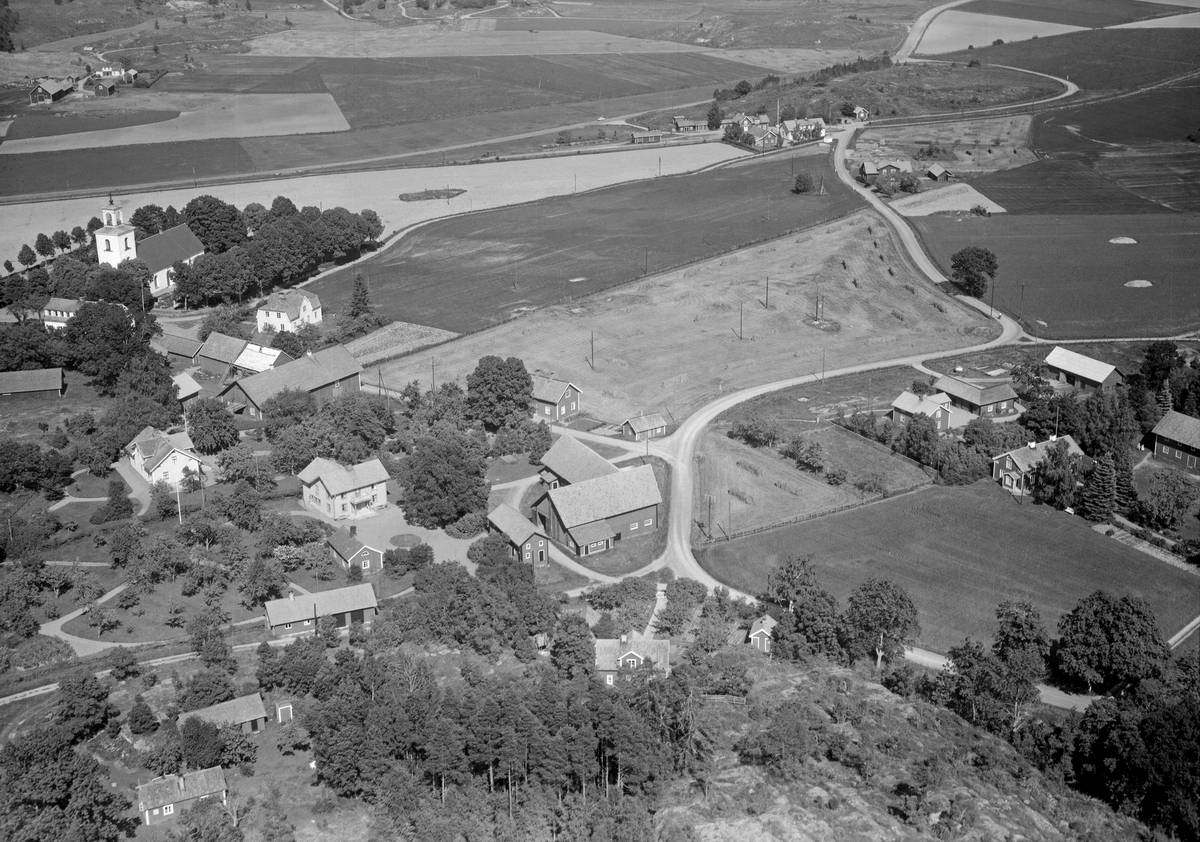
(163, 798)
(629, 653)
(592, 516)
(1177, 440)
(990, 401)
(525, 541)
(299, 614)
(554, 400)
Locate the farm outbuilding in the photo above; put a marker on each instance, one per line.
(638, 139)
(525, 541)
(189, 389)
(990, 401)
(868, 171)
(644, 427)
(48, 91)
(683, 124)
(349, 551)
(41, 383)
(246, 712)
(327, 374)
(569, 461)
(299, 614)
(937, 172)
(591, 517)
(1082, 372)
(104, 87)
(219, 353)
(1177, 440)
(182, 349)
(762, 633)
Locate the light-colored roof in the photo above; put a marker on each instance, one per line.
(936, 169)
(764, 624)
(309, 373)
(902, 166)
(607, 496)
(235, 711)
(222, 348)
(1179, 427)
(912, 404)
(188, 387)
(152, 446)
(320, 604)
(52, 87)
(549, 390)
(174, 789)
(258, 358)
(340, 479)
(591, 533)
(869, 168)
(642, 423)
(609, 651)
(1031, 455)
(67, 305)
(515, 526)
(162, 250)
(180, 345)
(345, 544)
(37, 380)
(574, 462)
(1079, 365)
(288, 302)
(972, 394)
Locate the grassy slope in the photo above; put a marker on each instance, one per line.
(959, 552)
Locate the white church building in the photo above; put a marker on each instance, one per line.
(115, 242)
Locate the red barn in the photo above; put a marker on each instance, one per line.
(593, 516)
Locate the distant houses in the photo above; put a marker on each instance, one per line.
(630, 652)
(871, 171)
(327, 375)
(996, 400)
(1177, 440)
(48, 91)
(343, 491)
(592, 516)
(159, 457)
(683, 124)
(554, 400)
(38, 383)
(294, 615)
(640, 138)
(162, 799)
(289, 310)
(245, 712)
(1082, 372)
(526, 542)
(1014, 470)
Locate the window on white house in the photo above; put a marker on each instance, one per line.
(366, 565)
(631, 662)
(308, 622)
(169, 809)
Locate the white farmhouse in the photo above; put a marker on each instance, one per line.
(158, 456)
(289, 310)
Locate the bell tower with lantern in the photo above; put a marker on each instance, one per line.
(115, 241)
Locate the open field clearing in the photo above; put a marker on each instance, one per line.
(1073, 12)
(246, 115)
(670, 343)
(958, 552)
(964, 144)
(1126, 356)
(1061, 186)
(952, 197)
(789, 59)
(479, 270)
(51, 125)
(1190, 20)
(487, 186)
(1098, 59)
(955, 30)
(396, 338)
(1170, 177)
(423, 40)
(14, 67)
(1166, 115)
(46, 22)
(1073, 279)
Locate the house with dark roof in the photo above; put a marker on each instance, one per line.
(526, 542)
(629, 653)
(1082, 372)
(38, 383)
(176, 348)
(1014, 470)
(298, 614)
(326, 375)
(246, 712)
(995, 400)
(162, 799)
(935, 406)
(642, 427)
(936, 172)
(861, 114)
(1177, 440)
(894, 169)
(591, 517)
(218, 354)
(103, 87)
(554, 400)
(161, 251)
(761, 634)
(288, 310)
(685, 124)
(56, 312)
(157, 456)
(189, 389)
(570, 461)
(340, 491)
(349, 551)
(257, 358)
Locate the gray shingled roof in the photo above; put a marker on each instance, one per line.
(37, 380)
(575, 462)
(66, 305)
(152, 446)
(911, 403)
(308, 373)
(514, 525)
(604, 497)
(162, 250)
(977, 395)
(321, 604)
(180, 345)
(188, 387)
(643, 423)
(339, 479)
(235, 711)
(1179, 427)
(288, 302)
(549, 390)
(609, 651)
(1027, 458)
(765, 623)
(173, 789)
(222, 348)
(345, 544)
(1079, 365)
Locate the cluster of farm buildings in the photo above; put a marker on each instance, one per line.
(45, 90)
(758, 128)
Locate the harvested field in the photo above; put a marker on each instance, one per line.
(955, 30)
(1073, 279)
(964, 144)
(247, 115)
(395, 338)
(958, 552)
(789, 59)
(1170, 177)
(1061, 186)
(1190, 20)
(52, 125)
(1167, 115)
(686, 321)
(952, 197)
(1074, 12)
(1087, 57)
(466, 274)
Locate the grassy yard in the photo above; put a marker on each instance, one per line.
(634, 554)
(553, 579)
(1126, 356)
(499, 471)
(21, 415)
(1189, 525)
(90, 485)
(958, 552)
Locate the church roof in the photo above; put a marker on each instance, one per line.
(162, 250)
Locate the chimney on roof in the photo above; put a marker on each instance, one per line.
(353, 530)
(292, 595)
(1053, 437)
(179, 783)
(1033, 445)
(624, 638)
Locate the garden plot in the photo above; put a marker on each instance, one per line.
(966, 146)
(954, 30)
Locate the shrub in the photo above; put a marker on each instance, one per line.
(467, 526)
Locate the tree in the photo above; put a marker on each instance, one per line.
(236, 748)
(372, 224)
(803, 184)
(26, 256)
(100, 340)
(102, 618)
(216, 224)
(83, 706)
(122, 664)
(44, 246)
(1055, 477)
(360, 299)
(499, 392)
(444, 479)
(328, 632)
(212, 425)
(1099, 491)
(62, 240)
(201, 743)
(1021, 640)
(1103, 640)
(880, 619)
(79, 235)
(919, 440)
(714, 116)
(573, 651)
(1169, 497)
(240, 463)
(242, 506)
(973, 268)
(847, 109)
(141, 718)
(206, 688)
(162, 500)
(263, 581)
(809, 624)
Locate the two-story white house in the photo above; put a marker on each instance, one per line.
(288, 310)
(341, 492)
(158, 456)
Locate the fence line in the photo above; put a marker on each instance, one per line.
(733, 700)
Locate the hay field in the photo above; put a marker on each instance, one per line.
(952, 197)
(789, 59)
(1190, 20)
(954, 30)
(244, 115)
(1074, 12)
(670, 343)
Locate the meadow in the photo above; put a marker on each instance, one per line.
(1060, 186)
(55, 124)
(671, 343)
(958, 552)
(1064, 278)
(958, 30)
(1072, 12)
(1166, 115)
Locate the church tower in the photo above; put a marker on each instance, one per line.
(115, 241)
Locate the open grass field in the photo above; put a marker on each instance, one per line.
(799, 409)
(55, 125)
(1058, 186)
(954, 197)
(1073, 12)
(20, 416)
(45, 22)
(1167, 115)
(1170, 177)
(955, 30)
(958, 552)
(1190, 20)
(1090, 59)
(1062, 271)
(669, 343)
(464, 274)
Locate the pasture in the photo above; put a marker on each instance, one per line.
(1063, 277)
(1072, 12)
(1086, 58)
(954, 30)
(670, 343)
(958, 552)
(55, 124)
(1057, 186)
(1166, 115)
(1191, 20)
(1170, 177)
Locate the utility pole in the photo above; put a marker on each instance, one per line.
(768, 292)
(646, 268)
(592, 361)
(432, 377)
(741, 333)
(179, 501)
(992, 302)
(822, 365)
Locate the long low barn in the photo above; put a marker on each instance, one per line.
(299, 614)
(41, 382)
